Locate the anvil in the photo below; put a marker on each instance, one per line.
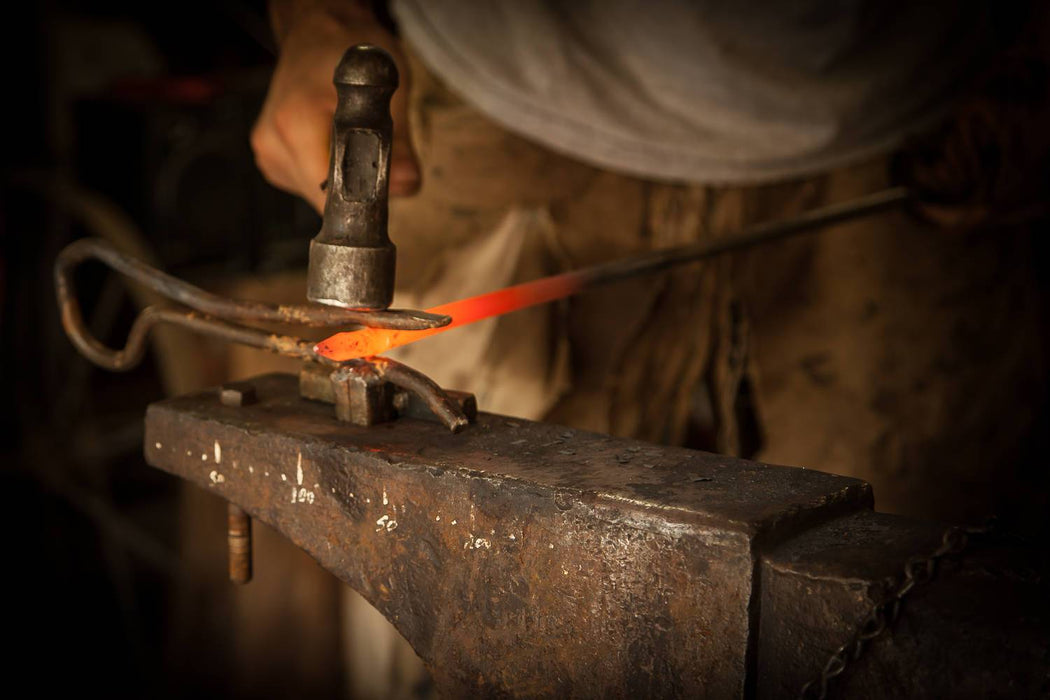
(522, 559)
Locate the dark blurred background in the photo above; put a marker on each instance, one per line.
(130, 121)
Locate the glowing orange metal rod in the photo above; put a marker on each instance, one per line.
(373, 341)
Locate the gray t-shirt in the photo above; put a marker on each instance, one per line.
(710, 91)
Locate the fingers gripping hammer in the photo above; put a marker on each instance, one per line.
(352, 260)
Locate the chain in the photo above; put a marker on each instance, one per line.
(918, 571)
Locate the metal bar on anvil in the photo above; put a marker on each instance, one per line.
(526, 559)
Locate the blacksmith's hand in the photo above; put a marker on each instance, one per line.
(291, 137)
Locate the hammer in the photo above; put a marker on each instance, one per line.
(352, 260)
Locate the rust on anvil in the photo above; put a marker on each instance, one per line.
(516, 557)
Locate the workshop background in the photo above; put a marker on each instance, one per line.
(130, 121)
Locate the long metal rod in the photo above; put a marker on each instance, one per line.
(658, 260)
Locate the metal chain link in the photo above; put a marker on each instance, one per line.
(918, 571)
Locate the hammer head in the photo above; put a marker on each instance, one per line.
(352, 260)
